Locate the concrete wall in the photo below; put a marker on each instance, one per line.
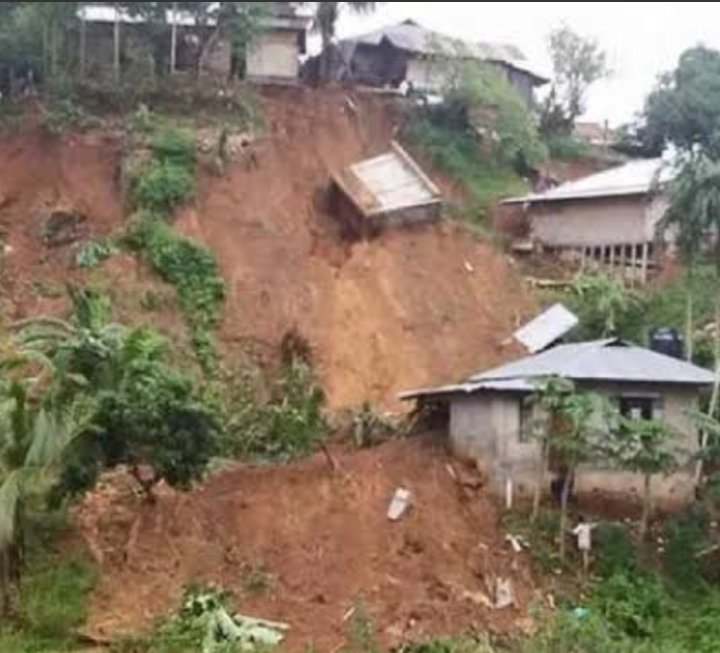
(275, 56)
(486, 428)
(602, 221)
(670, 491)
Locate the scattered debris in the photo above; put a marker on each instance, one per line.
(469, 267)
(504, 595)
(389, 190)
(248, 633)
(63, 227)
(517, 543)
(546, 329)
(479, 598)
(400, 505)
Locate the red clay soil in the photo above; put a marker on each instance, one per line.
(40, 174)
(410, 308)
(324, 542)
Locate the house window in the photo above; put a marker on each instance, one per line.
(641, 407)
(526, 410)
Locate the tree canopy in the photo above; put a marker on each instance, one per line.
(684, 109)
(578, 62)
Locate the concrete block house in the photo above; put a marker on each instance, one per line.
(490, 414)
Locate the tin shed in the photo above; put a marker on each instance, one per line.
(387, 191)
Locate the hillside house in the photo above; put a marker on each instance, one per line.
(273, 57)
(609, 219)
(491, 414)
(427, 61)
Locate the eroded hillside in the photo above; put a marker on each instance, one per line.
(409, 308)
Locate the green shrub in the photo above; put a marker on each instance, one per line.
(289, 425)
(94, 253)
(194, 272)
(462, 645)
(177, 146)
(163, 186)
(481, 98)
(64, 114)
(616, 550)
(685, 537)
(571, 633)
(457, 154)
(631, 603)
(567, 148)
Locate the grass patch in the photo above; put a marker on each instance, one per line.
(567, 148)
(53, 604)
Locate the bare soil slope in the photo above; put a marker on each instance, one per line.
(322, 542)
(40, 175)
(409, 308)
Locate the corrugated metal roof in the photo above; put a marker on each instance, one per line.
(281, 16)
(514, 385)
(546, 329)
(412, 37)
(633, 178)
(602, 360)
(387, 183)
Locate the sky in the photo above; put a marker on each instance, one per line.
(642, 40)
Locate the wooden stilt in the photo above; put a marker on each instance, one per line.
(645, 259)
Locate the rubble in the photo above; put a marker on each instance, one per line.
(400, 505)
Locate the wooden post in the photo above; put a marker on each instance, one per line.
(83, 45)
(612, 258)
(173, 53)
(634, 263)
(645, 261)
(116, 45)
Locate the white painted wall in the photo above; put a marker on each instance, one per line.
(275, 55)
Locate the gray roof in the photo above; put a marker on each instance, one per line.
(632, 178)
(412, 37)
(602, 360)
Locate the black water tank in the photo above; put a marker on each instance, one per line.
(668, 342)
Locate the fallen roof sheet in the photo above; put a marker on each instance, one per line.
(390, 182)
(546, 329)
(413, 37)
(602, 360)
(632, 178)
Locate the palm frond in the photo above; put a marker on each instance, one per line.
(55, 430)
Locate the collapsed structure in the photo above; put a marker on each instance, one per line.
(386, 191)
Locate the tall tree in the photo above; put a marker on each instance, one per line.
(550, 397)
(644, 447)
(578, 63)
(326, 17)
(684, 109)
